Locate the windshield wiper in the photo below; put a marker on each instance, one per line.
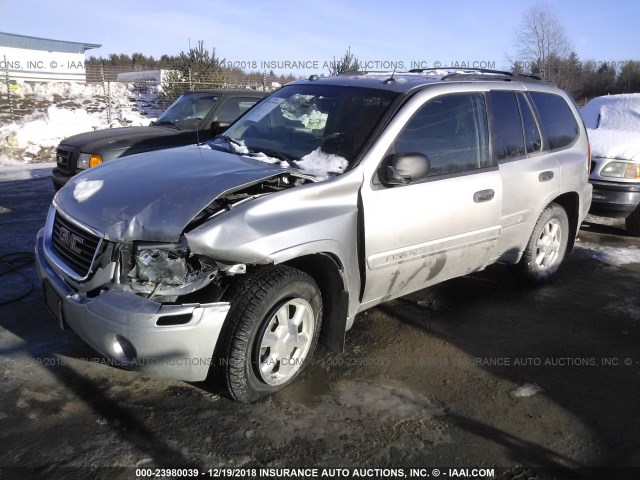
(230, 142)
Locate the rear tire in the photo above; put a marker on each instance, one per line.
(632, 222)
(547, 246)
(270, 332)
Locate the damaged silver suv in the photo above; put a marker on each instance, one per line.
(230, 260)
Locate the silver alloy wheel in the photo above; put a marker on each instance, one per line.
(286, 341)
(548, 245)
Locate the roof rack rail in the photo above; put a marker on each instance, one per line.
(364, 72)
(460, 73)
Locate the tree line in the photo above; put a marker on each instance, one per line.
(197, 66)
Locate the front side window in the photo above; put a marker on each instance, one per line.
(559, 123)
(451, 131)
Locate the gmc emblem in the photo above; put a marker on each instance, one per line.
(70, 240)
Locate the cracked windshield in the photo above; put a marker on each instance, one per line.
(318, 129)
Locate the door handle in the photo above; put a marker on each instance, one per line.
(545, 176)
(483, 196)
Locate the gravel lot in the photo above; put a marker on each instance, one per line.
(429, 380)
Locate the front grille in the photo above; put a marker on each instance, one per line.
(76, 246)
(66, 159)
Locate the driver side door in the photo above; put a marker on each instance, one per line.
(445, 224)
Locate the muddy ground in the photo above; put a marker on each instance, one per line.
(425, 381)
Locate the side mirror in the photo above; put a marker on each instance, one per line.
(218, 127)
(405, 168)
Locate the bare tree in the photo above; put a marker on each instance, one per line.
(541, 42)
(347, 63)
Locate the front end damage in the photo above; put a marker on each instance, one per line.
(151, 306)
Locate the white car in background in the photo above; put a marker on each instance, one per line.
(613, 126)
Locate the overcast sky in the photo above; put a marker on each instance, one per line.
(277, 31)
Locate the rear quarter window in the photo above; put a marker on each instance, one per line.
(558, 121)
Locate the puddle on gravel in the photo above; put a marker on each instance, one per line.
(385, 401)
(345, 413)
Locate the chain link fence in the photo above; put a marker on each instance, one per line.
(111, 89)
(159, 88)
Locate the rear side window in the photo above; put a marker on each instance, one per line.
(506, 134)
(532, 139)
(451, 131)
(559, 124)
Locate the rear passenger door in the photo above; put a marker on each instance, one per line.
(442, 226)
(530, 174)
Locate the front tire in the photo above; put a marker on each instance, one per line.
(547, 246)
(632, 222)
(270, 332)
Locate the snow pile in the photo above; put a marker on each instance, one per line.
(613, 125)
(239, 147)
(263, 157)
(56, 125)
(54, 111)
(316, 163)
(322, 164)
(616, 112)
(6, 160)
(622, 144)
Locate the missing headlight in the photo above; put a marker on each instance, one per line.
(168, 267)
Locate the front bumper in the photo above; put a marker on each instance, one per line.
(612, 199)
(60, 178)
(124, 327)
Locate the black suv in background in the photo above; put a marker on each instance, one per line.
(195, 116)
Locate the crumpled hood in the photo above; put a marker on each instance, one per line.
(122, 138)
(153, 196)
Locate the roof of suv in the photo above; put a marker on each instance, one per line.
(405, 81)
(227, 91)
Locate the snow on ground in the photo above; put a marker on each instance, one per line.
(611, 255)
(613, 125)
(59, 110)
(25, 172)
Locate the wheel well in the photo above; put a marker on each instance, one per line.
(327, 272)
(571, 203)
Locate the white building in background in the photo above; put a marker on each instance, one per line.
(36, 59)
(149, 76)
